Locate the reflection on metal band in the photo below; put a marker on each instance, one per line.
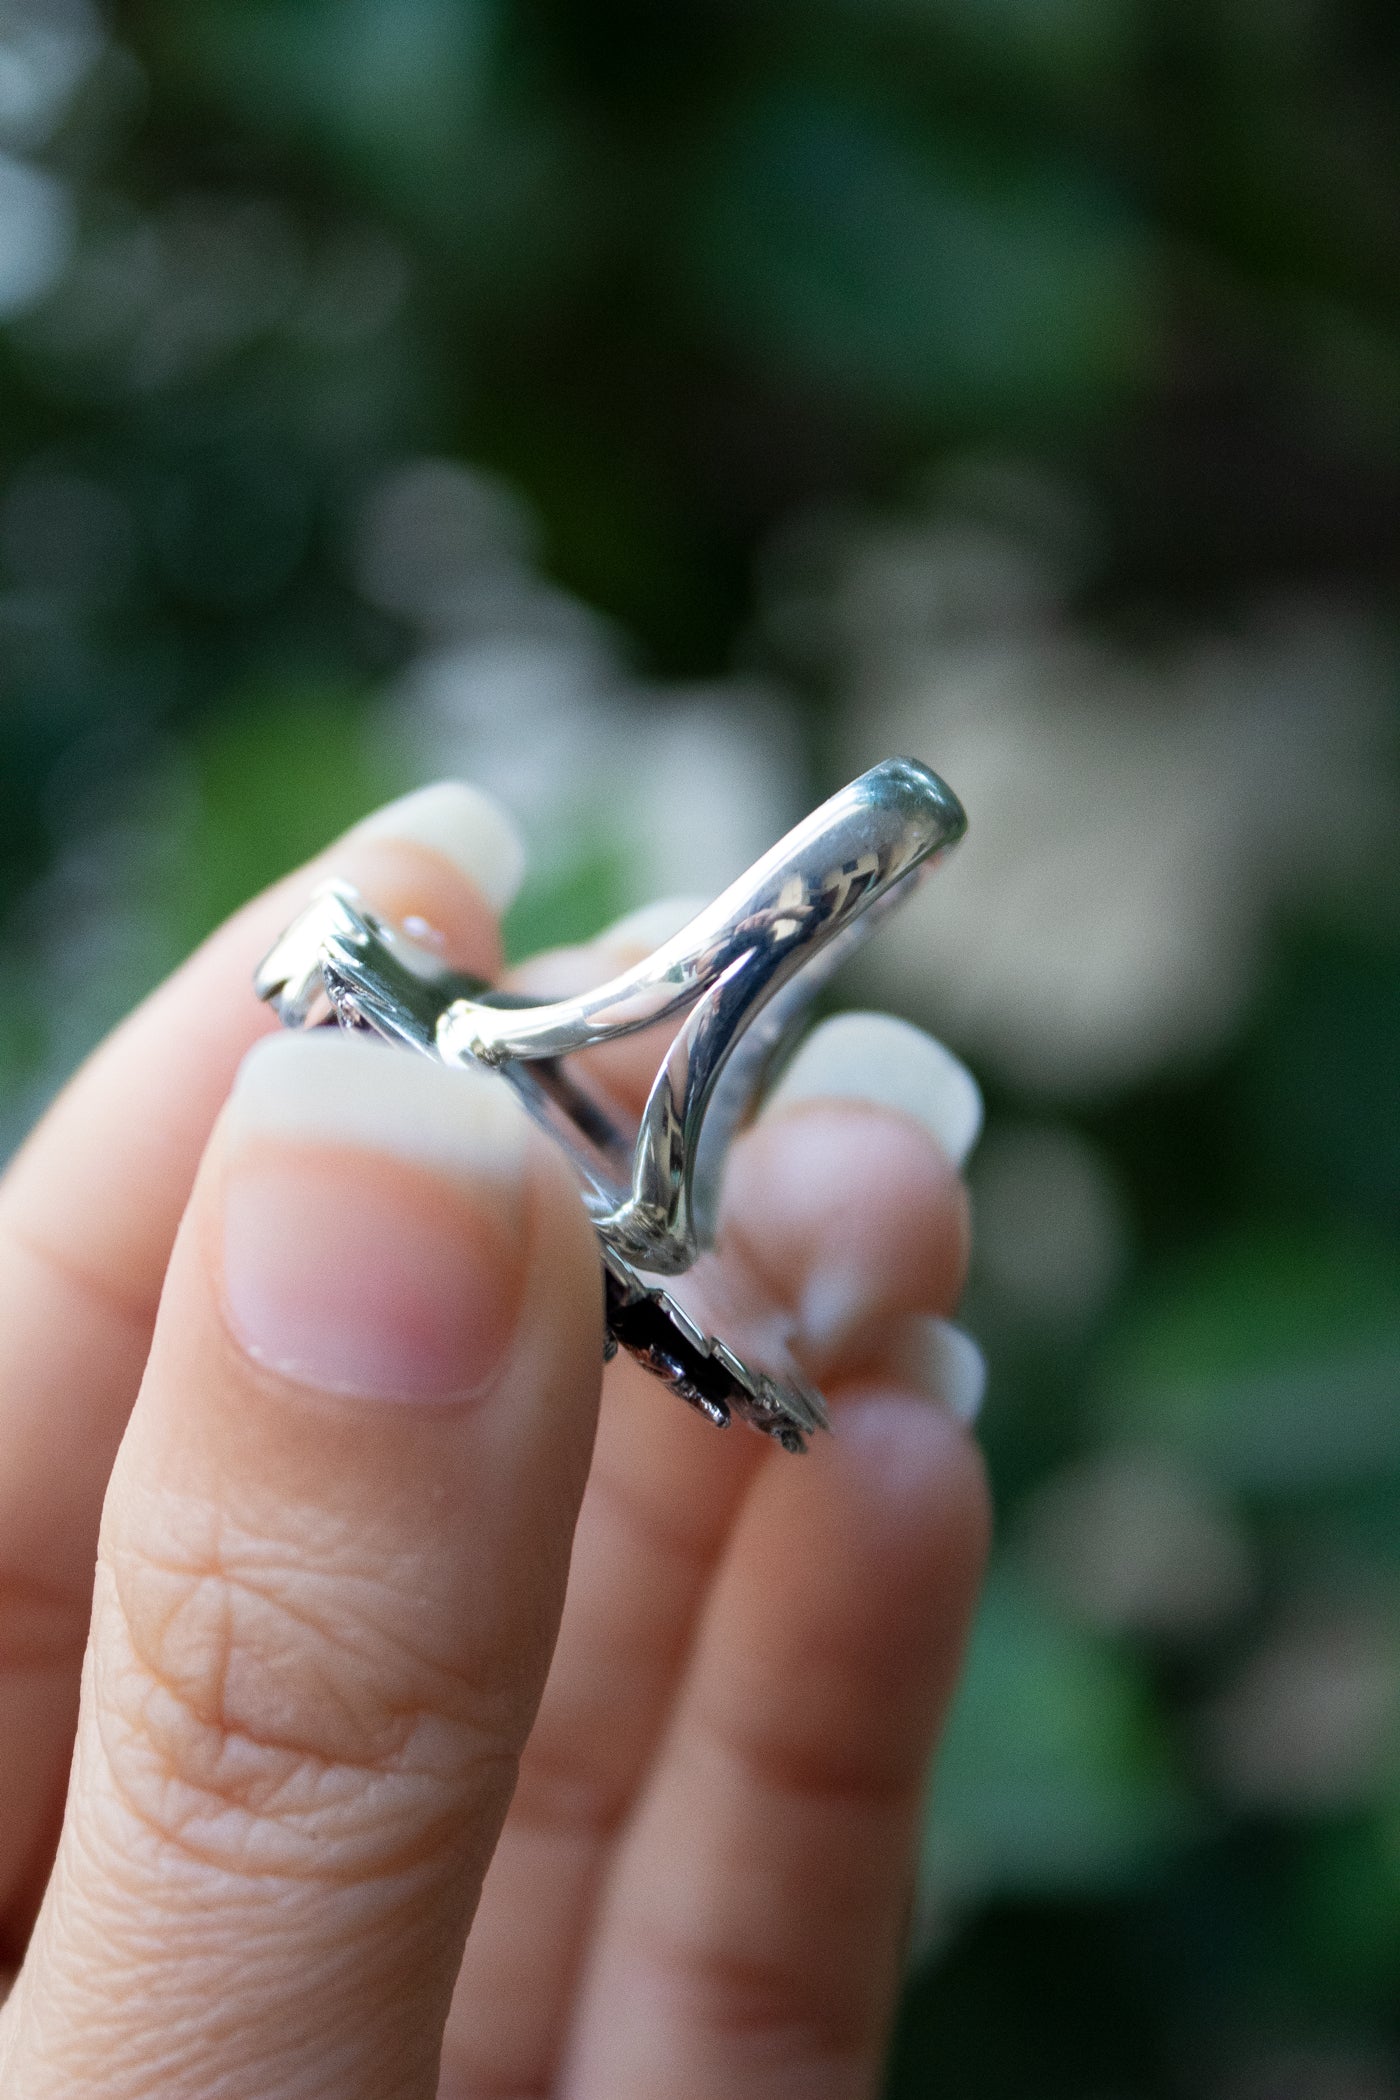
(735, 980)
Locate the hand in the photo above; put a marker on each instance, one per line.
(312, 1374)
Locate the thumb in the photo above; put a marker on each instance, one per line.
(330, 1576)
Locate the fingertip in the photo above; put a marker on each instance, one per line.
(881, 1059)
(904, 1439)
(850, 1217)
(557, 973)
(915, 1480)
(463, 824)
(939, 1358)
(637, 934)
(328, 1086)
(372, 1205)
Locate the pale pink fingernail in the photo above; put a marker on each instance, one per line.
(879, 1058)
(466, 826)
(949, 1365)
(834, 1311)
(373, 1219)
(639, 933)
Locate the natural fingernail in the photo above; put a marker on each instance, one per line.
(834, 1313)
(949, 1365)
(373, 1222)
(875, 1057)
(466, 826)
(638, 933)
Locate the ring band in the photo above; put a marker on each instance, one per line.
(737, 979)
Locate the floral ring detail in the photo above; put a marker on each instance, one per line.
(737, 979)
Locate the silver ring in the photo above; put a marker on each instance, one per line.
(740, 974)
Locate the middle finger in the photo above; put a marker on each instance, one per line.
(830, 1201)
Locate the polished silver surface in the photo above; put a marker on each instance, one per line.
(735, 980)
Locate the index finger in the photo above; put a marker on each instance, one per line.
(88, 1213)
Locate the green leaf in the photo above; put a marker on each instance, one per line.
(570, 902)
(1087, 44)
(1053, 1778)
(404, 103)
(388, 82)
(278, 779)
(933, 280)
(1272, 1361)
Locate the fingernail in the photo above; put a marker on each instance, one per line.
(949, 1365)
(373, 1222)
(875, 1057)
(463, 824)
(834, 1313)
(638, 933)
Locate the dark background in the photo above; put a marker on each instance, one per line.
(657, 409)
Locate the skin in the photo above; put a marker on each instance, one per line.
(645, 1709)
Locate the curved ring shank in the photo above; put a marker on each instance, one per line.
(740, 973)
(769, 941)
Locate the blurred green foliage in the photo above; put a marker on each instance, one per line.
(1056, 1776)
(678, 272)
(1271, 1362)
